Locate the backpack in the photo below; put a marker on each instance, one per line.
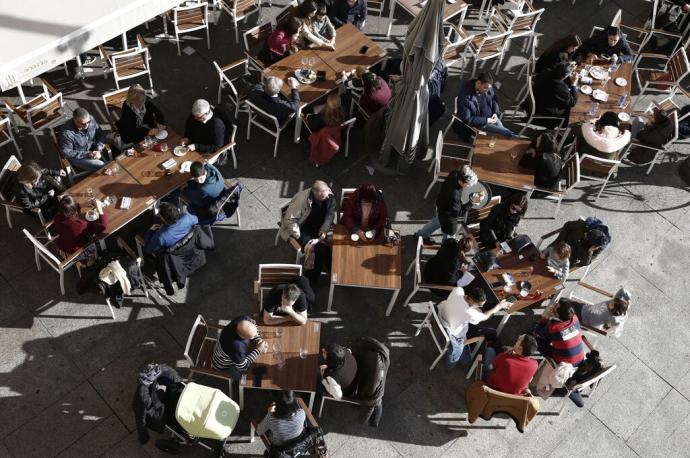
(596, 223)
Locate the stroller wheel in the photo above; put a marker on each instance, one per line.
(168, 446)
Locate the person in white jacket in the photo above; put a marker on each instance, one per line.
(304, 14)
(604, 138)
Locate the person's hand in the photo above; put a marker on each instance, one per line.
(51, 193)
(591, 57)
(62, 173)
(686, 7)
(161, 126)
(361, 234)
(475, 198)
(574, 77)
(395, 78)
(272, 407)
(184, 141)
(155, 227)
(95, 154)
(492, 119)
(322, 369)
(99, 206)
(286, 308)
(614, 58)
(551, 269)
(503, 305)
(322, 235)
(294, 84)
(191, 147)
(262, 347)
(153, 131)
(464, 267)
(542, 256)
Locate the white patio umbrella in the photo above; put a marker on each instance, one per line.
(406, 123)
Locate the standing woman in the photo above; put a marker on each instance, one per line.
(75, 232)
(284, 420)
(503, 220)
(140, 117)
(562, 50)
(38, 188)
(307, 38)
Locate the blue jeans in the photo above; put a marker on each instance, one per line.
(457, 353)
(497, 128)
(87, 164)
(431, 227)
(489, 357)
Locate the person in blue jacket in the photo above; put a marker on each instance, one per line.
(205, 185)
(349, 11)
(175, 226)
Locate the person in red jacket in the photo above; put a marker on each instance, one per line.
(73, 231)
(511, 371)
(365, 211)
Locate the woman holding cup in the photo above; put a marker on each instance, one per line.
(365, 213)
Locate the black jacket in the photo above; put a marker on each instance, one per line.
(37, 196)
(444, 267)
(498, 227)
(276, 106)
(547, 169)
(598, 44)
(176, 263)
(127, 124)
(573, 233)
(206, 137)
(448, 204)
(150, 404)
(553, 96)
(549, 60)
(657, 134)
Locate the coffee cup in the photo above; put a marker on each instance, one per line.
(369, 235)
(354, 237)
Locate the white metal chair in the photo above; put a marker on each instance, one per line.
(293, 241)
(345, 194)
(599, 291)
(423, 254)
(239, 10)
(376, 6)
(188, 19)
(474, 218)
(455, 49)
(131, 63)
(7, 200)
(520, 24)
(354, 102)
(484, 47)
(52, 256)
(287, 11)
(6, 135)
(112, 102)
(236, 87)
(604, 168)
(444, 165)
(70, 172)
(271, 275)
(345, 127)
(658, 150)
(668, 79)
(442, 341)
(199, 350)
(270, 123)
(571, 170)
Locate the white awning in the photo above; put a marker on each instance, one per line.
(36, 36)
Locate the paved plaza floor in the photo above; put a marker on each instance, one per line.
(68, 370)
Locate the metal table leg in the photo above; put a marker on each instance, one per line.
(392, 302)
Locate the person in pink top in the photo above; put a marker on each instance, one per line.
(282, 41)
(376, 93)
(365, 211)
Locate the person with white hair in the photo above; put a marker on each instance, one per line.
(203, 131)
(449, 205)
(82, 141)
(267, 97)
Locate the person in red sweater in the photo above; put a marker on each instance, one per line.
(73, 231)
(282, 41)
(559, 336)
(365, 211)
(512, 370)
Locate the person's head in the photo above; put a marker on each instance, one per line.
(168, 213)
(67, 206)
(466, 176)
(618, 306)
(568, 44)
(613, 34)
(291, 27)
(321, 10)
(81, 118)
(198, 172)
(352, 2)
(547, 143)
(367, 193)
(333, 110)
(564, 310)
(306, 10)
(475, 296)
(525, 345)
(360, 71)
(334, 355)
(246, 329)
(273, 85)
(136, 95)
(290, 295)
(516, 204)
(201, 110)
(320, 190)
(561, 251)
(609, 118)
(595, 239)
(29, 173)
(560, 71)
(483, 83)
(286, 405)
(371, 82)
(464, 246)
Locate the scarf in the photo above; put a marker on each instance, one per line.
(139, 112)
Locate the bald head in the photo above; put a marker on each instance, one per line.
(320, 190)
(246, 329)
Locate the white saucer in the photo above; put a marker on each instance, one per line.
(180, 151)
(91, 216)
(162, 134)
(585, 89)
(620, 81)
(623, 116)
(185, 166)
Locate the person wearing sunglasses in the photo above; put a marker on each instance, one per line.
(82, 141)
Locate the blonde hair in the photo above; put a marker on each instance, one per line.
(28, 173)
(134, 92)
(333, 110)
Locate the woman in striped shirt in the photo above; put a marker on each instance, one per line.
(284, 420)
(231, 352)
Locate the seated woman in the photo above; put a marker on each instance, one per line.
(562, 50)
(338, 371)
(284, 420)
(609, 315)
(555, 93)
(38, 188)
(450, 263)
(654, 133)
(376, 94)
(140, 117)
(331, 114)
(282, 41)
(604, 139)
(307, 38)
(365, 211)
(542, 156)
(73, 231)
(503, 220)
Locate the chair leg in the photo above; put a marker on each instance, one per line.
(208, 37)
(9, 217)
(410, 267)
(424, 322)
(16, 147)
(407, 300)
(275, 148)
(237, 31)
(112, 312)
(220, 88)
(62, 282)
(38, 143)
(431, 165)
(558, 207)
(428, 190)
(234, 159)
(323, 401)
(441, 355)
(651, 166)
(603, 186)
(37, 258)
(177, 40)
(249, 125)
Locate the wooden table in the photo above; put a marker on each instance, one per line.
(496, 166)
(364, 264)
(349, 41)
(580, 112)
(518, 266)
(297, 374)
(414, 7)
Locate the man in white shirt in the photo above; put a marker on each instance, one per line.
(461, 314)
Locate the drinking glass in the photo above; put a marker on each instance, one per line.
(492, 141)
(513, 154)
(303, 353)
(310, 62)
(164, 147)
(89, 193)
(278, 332)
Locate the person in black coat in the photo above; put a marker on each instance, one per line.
(158, 388)
(204, 132)
(542, 156)
(555, 93)
(503, 220)
(38, 188)
(449, 264)
(140, 117)
(267, 97)
(562, 50)
(609, 42)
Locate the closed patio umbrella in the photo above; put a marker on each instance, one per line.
(406, 123)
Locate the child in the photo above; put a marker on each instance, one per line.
(321, 25)
(558, 260)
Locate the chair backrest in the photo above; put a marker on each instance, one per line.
(598, 164)
(55, 135)
(195, 341)
(188, 18)
(674, 119)
(113, 101)
(44, 252)
(345, 194)
(38, 114)
(476, 215)
(130, 64)
(7, 178)
(616, 21)
(594, 380)
(271, 275)
(572, 172)
(440, 328)
(525, 22)
(376, 6)
(263, 119)
(226, 82)
(678, 66)
(493, 45)
(485, 401)
(255, 38)
(5, 130)
(286, 12)
(243, 6)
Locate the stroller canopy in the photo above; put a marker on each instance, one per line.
(206, 412)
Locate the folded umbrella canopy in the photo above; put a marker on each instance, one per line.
(406, 123)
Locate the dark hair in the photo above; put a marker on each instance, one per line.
(305, 9)
(607, 119)
(367, 192)
(321, 8)
(485, 78)
(335, 356)
(594, 237)
(659, 116)
(67, 206)
(168, 213)
(291, 25)
(464, 245)
(612, 30)
(565, 310)
(548, 143)
(287, 405)
(620, 306)
(292, 292)
(560, 70)
(197, 169)
(80, 113)
(529, 345)
(564, 43)
(519, 199)
(476, 294)
(371, 82)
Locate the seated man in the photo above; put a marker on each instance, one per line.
(511, 371)
(461, 314)
(204, 187)
(82, 140)
(203, 131)
(338, 371)
(175, 226)
(309, 216)
(559, 336)
(267, 97)
(585, 244)
(478, 107)
(232, 353)
(289, 302)
(609, 42)
(349, 11)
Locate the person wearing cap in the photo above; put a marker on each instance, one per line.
(585, 245)
(204, 187)
(203, 131)
(609, 315)
(365, 211)
(449, 204)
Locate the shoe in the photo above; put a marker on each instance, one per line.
(222, 159)
(576, 397)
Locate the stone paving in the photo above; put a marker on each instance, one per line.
(68, 371)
